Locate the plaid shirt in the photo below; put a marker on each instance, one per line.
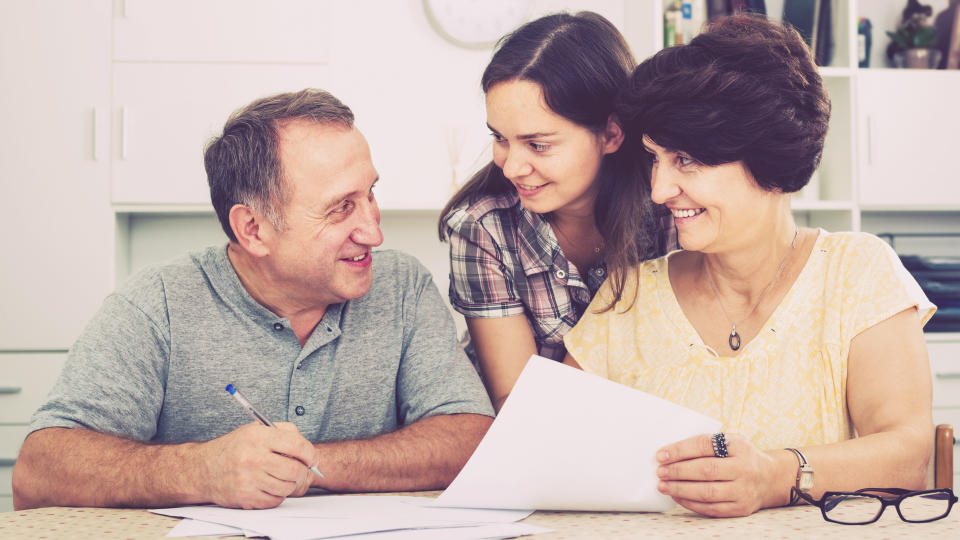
(505, 260)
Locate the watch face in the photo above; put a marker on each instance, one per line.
(475, 24)
(805, 482)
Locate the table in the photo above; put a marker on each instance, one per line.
(786, 523)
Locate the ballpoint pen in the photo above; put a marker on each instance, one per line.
(233, 391)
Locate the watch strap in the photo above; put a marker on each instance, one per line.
(804, 476)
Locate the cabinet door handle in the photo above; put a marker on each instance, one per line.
(123, 133)
(10, 389)
(7, 462)
(93, 144)
(871, 139)
(947, 376)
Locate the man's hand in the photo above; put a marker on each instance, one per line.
(256, 466)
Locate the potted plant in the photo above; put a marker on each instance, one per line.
(912, 44)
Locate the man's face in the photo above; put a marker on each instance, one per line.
(331, 218)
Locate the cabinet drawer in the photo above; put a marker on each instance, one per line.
(25, 381)
(11, 437)
(6, 476)
(945, 369)
(221, 31)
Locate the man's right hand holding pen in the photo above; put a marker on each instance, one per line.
(259, 464)
(255, 466)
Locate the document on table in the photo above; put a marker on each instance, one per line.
(569, 440)
(329, 516)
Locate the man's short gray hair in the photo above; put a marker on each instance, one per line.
(243, 164)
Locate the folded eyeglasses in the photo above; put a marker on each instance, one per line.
(866, 505)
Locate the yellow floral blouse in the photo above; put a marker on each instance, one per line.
(787, 386)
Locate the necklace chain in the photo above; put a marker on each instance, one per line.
(597, 248)
(734, 339)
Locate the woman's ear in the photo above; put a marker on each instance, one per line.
(246, 225)
(612, 135)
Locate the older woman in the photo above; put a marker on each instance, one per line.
(806, 344)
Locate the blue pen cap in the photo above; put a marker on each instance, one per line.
(232, 389)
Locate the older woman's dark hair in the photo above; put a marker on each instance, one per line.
(745, 90)
(581, 63)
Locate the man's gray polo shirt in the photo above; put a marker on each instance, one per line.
(153, 362)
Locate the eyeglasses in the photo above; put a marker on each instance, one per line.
(865, 505)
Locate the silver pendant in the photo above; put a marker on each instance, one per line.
(734, 339)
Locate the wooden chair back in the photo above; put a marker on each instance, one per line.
(943, 457)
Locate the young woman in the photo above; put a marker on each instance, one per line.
(535, 232)
(806, 344)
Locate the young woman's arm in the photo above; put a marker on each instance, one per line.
(503, 346)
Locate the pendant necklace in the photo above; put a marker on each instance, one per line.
(597, 248)
(734, 339)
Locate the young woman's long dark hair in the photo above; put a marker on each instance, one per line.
(581, 63)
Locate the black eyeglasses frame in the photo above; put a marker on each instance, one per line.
(898, 493)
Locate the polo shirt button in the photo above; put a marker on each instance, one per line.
(300, 410)
(560, 274)
(329, 329)
(600, 272)
(277, 326)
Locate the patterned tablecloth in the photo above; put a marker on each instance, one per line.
(781, 523)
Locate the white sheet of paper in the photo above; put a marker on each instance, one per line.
(569, 440)
(195, 527)
(326, 516)
(478, 532)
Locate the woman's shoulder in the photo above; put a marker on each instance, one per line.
(852, 246)
(642, 279)
(473, 212)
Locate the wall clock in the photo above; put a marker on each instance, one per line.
(475, 24)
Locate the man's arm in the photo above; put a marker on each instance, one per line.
(441, 403)
(253, 466)
(424, 455)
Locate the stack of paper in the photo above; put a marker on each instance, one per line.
(329, 516)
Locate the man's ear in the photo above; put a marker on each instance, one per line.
(612, 135)
(246, 226)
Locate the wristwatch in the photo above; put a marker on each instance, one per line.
(804, 474)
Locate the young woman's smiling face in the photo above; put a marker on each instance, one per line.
(551, 161)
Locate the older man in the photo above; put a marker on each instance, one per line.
(353, 349)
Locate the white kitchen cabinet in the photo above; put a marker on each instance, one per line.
(944, 352)
(54, 169)
(249, 31)
(11, 437)
(164, 113)
(909, 138)
(25, 380)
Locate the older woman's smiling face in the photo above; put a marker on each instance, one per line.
(715, 207)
